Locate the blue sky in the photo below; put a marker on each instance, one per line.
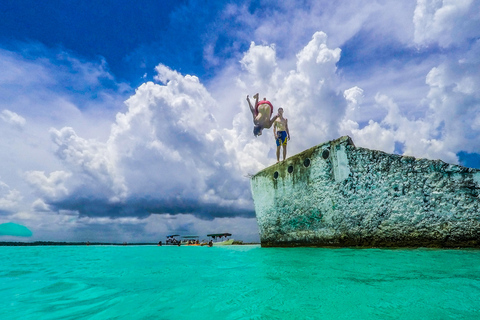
(124, 121)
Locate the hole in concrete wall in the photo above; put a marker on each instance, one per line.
(275, 175)
(306, 162)
(325, 154)
(290, 169)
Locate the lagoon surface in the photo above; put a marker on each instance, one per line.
(237, 282)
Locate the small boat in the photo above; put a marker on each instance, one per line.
(220, 236)
(172, 240)
(190, 241)
(224, 243)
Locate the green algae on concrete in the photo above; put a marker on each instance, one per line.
(336, 194)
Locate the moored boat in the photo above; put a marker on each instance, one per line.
(190, 241)
(220, 236)
(172, 240)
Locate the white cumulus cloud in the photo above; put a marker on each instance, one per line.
(13, 119)
(446, 22)
(52, 186)
(10, 199)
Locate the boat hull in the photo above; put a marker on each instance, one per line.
(224, 243)
(336, 194)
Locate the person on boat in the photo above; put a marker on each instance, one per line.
(281, 133)
(210, 243)
(262, 113)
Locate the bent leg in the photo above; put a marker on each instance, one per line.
(252, 109)
(256, 104)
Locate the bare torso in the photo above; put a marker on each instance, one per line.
(281, 124)
(263, 116)
(263, 113)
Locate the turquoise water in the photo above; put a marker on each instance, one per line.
(237, 282)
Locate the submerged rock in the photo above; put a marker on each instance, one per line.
(336, 194)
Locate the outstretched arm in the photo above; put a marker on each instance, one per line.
(286, 128)
(271, 121)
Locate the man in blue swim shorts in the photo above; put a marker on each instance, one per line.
(281, 133)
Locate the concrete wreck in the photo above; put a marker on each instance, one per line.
(337, 194)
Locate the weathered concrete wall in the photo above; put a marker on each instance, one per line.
(336, 194)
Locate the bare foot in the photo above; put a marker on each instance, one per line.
(255, 96)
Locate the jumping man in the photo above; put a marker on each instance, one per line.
(262, 112)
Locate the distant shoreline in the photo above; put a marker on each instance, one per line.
(56, 243)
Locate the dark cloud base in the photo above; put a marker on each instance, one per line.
(142, 208)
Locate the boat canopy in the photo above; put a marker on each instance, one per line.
(190, 237)
(173, 235)
(219, 235)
